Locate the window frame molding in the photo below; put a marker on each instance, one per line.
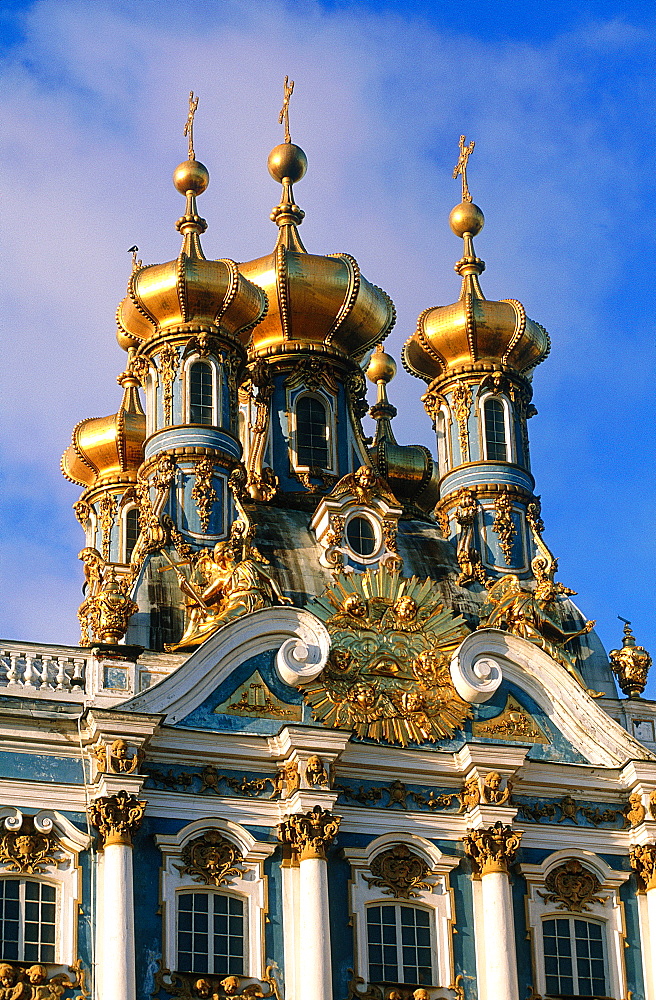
(328, 403)
(191, 360)
(251, 888)
(129, 506)
(65, 875)
(444, 454)
(610, 914)
(379, 540)
(438, 901)
(507, 422)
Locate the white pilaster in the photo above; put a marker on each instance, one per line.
(314, 979)
(117, 970)
(499, 931)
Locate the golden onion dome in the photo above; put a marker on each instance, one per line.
(408, 469)
(473, 329)
(315, 302)
(108, 449)
(190, 294)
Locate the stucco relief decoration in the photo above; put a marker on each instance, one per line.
(117, 817)
(168, 366)
(117, 758)
(469, 558)
(461, 399)
(493, 791)
(493, 849)
(106, 516)
(309, 834)
(401, 873)
(27, 845)
(203, 493)
(573, 887)
(32, 982)
(211, 859)
(191, 986)
(287, 780)
(635, 811)
(388, 675)
(643, 862)
(504, 525)
(316, 775)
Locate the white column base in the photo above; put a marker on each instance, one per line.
(499, 930)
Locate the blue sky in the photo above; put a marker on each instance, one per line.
(560, 100)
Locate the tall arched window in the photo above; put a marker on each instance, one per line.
(211, 933)
(201, 393)
(574, 957)
(311, 433)
(130, 532)
(28, 920)
(496, 448)
(399, 944)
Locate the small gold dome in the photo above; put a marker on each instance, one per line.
(315, 302)
(191, 292)
(108, 449)
(473, 329)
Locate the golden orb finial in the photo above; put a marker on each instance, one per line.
(382, 367)
(191, 176)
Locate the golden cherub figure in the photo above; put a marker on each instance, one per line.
(461, 166)
(189, 124)
(283, 117)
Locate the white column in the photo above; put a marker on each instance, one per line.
(117, 818)
(291, 926)
(499, 931)
(315, 973)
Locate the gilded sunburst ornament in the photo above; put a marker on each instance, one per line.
(388, 675)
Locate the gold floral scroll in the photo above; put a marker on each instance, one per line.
(388, 673)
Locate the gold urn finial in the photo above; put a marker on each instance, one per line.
(287, 164)
(630, 664)
(191, 178)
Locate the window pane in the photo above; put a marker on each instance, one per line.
(193, 937)
(200, 393)
(9, 919)
(360, 535)
(311, 433)
(416, 957)
(590, 959)
(495, 430)
(40, 922)
(383, 961)
(131, 532)
(228, 935)
(557, 960)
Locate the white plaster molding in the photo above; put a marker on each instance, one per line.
(609, 913)
(251, 887)
(207, 667)
(299, 662)
(474, 677)
(588, 728)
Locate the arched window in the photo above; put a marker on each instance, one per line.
(574, 957)
(442, 443)
(361, 536)
(399, 945)
(130, 532)
(211, 933)
(311, 433)
(496, 448)
(201, 393)
(28, 920)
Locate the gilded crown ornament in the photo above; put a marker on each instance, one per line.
(493, 849)
(388, 674)
(630, 664)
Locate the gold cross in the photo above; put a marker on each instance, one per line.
(461, 166)
(189, 124)
(283, 117)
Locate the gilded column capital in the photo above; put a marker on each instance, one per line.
(309, 834)
(643, 862)
(117, 817)
(493, 849)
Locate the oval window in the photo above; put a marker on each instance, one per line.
(361, 536)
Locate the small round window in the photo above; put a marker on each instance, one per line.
(361, 536)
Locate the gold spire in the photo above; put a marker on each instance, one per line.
(191, 178)
(283, 117)
(287, 164)
(461, 165)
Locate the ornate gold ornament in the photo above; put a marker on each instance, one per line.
(116, 758)
(469, 558)
(534, 516)
(643, 862)
(316, 775)
(433, 402)
(635, 811)
(630, 664)
(139, 368)
(652, 805)
(388, 673)
(312, 374)
(309, 834)
(106, 516)
(164, 475)
(470, 796)
(535, 615)
(492, 792)
(442, 517)
(82, 511)
(116, 817)
(283, 117)
(212, 859)
(492, 850)
(364, 485)
(191, 986)
(514, 723)
(504, 525)
(254, 699)
(400, 872)
(203, 493)
(32, 982)
(569, 810)
(287, 780)
(573, 887)
(169, 361)
(189, 124)
(461, 166)
(27, 847)
(105, 616)
(461, 399)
